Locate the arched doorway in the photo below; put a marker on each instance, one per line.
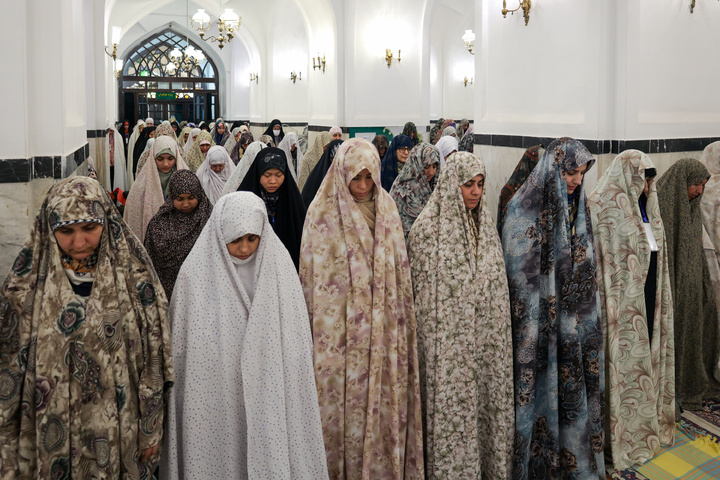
(148, 90)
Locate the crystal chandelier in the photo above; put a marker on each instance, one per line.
(228, 25)
(184, 61)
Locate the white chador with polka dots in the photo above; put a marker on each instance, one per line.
(244, 403)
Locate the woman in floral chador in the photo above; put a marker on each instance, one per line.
(356, 278)
(637, 312)
(464, 332)
(85, 355)
(412, 188)
(557, 333)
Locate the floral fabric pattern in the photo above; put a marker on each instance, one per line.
(557, 331)
(641, 380)
(94, 373)
(411, 189)
(522, 171)
(464, 332)
(359, 298)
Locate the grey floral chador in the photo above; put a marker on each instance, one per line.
(464, 332)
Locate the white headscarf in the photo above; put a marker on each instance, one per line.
(146, 196)
(191, 139)
(286, 143)
(213, 183)
(149, 144)
(446, 145)
(244, 404)
(149, 122)
(242, 168)
(131, 146)
(117, 161)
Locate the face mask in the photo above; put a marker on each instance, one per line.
(276, 132)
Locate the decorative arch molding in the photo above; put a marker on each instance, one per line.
(152, 49)
(221, 71)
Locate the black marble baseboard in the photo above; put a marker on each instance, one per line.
(324, 128)
(22, 170)
(600, 147)
(457, 120)
(267, 124)
(96, 133)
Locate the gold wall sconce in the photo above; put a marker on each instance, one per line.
(295, 77)
(466, 80)
(692, 6)
(524, 4)
(320, 63)
(389, 56)
(468, 38)
(116, 31)
(254, 77)
(118, 67)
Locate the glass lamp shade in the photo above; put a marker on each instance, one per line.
(230, 19)
(118, 65)
(468, 37)
(201, 18)
(170, 68)
(176, 53)
(116, 31)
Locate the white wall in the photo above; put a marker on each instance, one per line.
(286, 100)
(376, 94)
(672, 69)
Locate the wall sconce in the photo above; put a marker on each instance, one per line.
(116, 31)
(692, 6)
(524, 4)
(294, 77)
(469, 38)
(320, 63)
(118, 67)
(389, 56)
(466, 80)
(254, 77)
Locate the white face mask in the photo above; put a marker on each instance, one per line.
(276, 132)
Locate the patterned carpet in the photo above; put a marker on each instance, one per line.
(690, 458)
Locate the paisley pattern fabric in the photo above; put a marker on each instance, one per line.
(411, 189)
(81, 382)
(359, 298)
(557, 331)
(464, 333)
(697, 344)
(522, 171)
(640, 373)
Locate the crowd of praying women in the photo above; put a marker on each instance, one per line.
(354, 312)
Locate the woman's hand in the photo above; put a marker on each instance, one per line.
(147, 453)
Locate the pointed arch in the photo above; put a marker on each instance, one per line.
(147, 88)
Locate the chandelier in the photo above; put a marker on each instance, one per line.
(228, 24)
(184, 61)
